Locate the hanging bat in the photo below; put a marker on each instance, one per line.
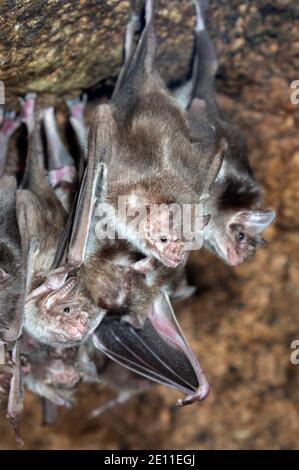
(65, 302)
(156, 349)
(150, 147)
(51, 374)
(237, 222)
(42, 220)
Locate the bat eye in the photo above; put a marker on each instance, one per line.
(66, 310)
(163, 239)
(241, 236)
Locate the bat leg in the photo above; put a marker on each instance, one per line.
(76, 109)
(10, 123)
(62, 172)
(27, 114)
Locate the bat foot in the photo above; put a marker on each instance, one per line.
(65, 174)
(77, 106)
(200, 394)
(10, 122)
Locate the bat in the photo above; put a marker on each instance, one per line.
(150, 147)
(236, 222)
(60, 306)
(42, 220)
(157, 348)
(50, 377)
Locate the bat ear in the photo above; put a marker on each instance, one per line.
(3, 275)
(255, 221)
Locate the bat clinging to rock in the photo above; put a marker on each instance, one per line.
(236, 222)
(148, 144)
(42, 220)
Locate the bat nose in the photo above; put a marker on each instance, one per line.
(157, 351)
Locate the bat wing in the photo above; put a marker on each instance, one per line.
(157, 351)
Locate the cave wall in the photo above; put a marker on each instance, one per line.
(60, 47)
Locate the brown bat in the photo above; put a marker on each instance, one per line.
(68, 294)
(128, 135)
(50, 373)
(150, 147)
(42, 220)
(236, 223)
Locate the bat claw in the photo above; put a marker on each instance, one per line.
(77, 105)
(200, 394)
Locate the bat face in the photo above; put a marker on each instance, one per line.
(61, 317)
(234, 237)
(163, 238)
(67, 307)
(161, 230)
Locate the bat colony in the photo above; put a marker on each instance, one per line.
(78, 307)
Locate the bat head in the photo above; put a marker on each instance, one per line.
(4, 276)
(234, 237)
(164, 229)
(65, 306)
(61, 317)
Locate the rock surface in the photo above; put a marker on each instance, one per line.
(242, 320)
